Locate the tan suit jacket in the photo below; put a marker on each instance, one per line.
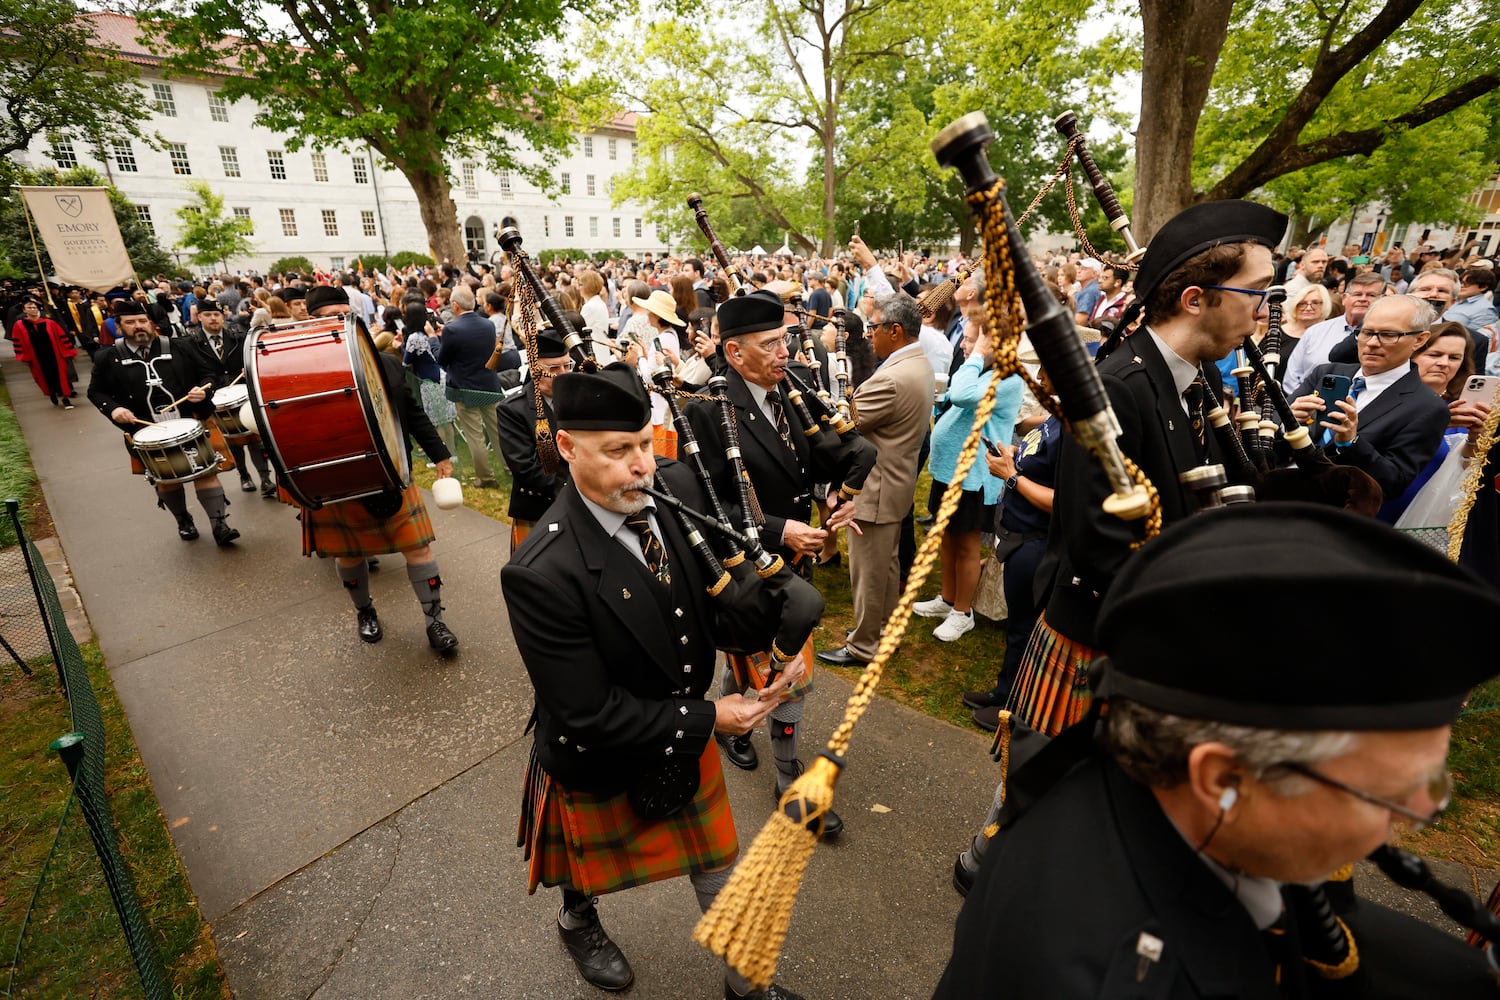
(894, 411)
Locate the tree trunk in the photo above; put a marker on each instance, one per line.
(439, 212)
(1182, 42)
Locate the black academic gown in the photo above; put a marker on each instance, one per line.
(1088, 544)
(619, 664)
(532, 490)
(1066, 892)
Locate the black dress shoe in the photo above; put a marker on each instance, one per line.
(840, 657)
(441, 638)
(985, 699)
(247, 485)
(67, 403)
(926, 519)
(600, 961)
(987, 719)
(739, 750)
(186, 529)
(268, 489)
(369, 625)
(833, 825)
(773, 992)
(223, 533)
(963, 879)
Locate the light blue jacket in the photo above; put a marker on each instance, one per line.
(965, 390)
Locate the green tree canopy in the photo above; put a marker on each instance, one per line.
(213, 235)
(425, 82)
(57, 77)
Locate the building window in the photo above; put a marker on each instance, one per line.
(614, 145)
(278, 164)
(568, 226)
(231, 157)
(637, 228)
(337, 263)
(62, 152)
(471, 182)
(166, 104)
(593, 225)
(218, 108)
(588, 145)
(361, 171)
(546, 225)
(143, 212)
(615, 226)
(320, 168)
(330, 222)
(288, 222)
(588, 185)
(630, 150)
(367, 221)
(124, 157)
(566, 180)
(244, 213)
(178, 152)
(505, 184)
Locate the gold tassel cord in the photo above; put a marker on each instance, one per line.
(546, 446)
(1473, 480)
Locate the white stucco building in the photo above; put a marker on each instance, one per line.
(333, 205)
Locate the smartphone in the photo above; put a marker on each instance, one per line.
(1480, 389)
(1330, 389)
(990, 447)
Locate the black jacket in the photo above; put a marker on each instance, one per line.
(414, 423)
(532, 490)
(1398, 433)
(1067, 891)
(781, 476)
(1086, 543)
(120, 379)
(619, 667)
(223, 370)
(467, 343)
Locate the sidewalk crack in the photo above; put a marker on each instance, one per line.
(359, 927)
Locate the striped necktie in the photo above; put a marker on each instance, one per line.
(1194, 396)
(651, 547)
(778, 413)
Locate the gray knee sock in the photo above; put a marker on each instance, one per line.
(214, 503)
(706, 886)
(357, 582)
(971, 858)
(428, 586)
(783, 727)
(175, 501)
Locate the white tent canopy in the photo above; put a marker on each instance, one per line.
(757, 251)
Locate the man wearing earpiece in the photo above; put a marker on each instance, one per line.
(1194, 834)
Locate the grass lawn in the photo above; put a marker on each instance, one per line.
(930, 675)
(74, 946)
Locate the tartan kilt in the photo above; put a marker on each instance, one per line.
(520, 528)
(348, 529)
(597, 844)
(750, 671)
(1052, 687)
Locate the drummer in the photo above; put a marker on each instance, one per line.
(296, 300)
(220, 356)
(352, 530)
(135, 383)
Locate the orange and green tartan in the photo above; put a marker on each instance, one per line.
(348, 529)
(1052, 687)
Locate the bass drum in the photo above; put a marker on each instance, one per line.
(325, 411)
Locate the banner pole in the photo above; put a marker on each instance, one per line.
(41, 271)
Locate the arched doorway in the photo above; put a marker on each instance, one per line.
(474, 237)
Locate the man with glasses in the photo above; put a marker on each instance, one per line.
(1181, 839)
(532, 488)
(1323, 338)
(1391, 424)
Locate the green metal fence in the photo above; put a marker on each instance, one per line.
(89, 892)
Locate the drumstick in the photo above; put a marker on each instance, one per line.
(237, 378)
(178, 402)
(139, 420)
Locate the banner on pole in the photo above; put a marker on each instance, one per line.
(78, 226)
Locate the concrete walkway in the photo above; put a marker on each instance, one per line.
(347, 813)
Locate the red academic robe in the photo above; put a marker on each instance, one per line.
(61, 350)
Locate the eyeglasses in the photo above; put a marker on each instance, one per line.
(542, 373)
(1259, 293)
(1386, 337)
(1439, 789)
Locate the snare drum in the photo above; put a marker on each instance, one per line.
(325, 411)
(176, 451)
(227, 404)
